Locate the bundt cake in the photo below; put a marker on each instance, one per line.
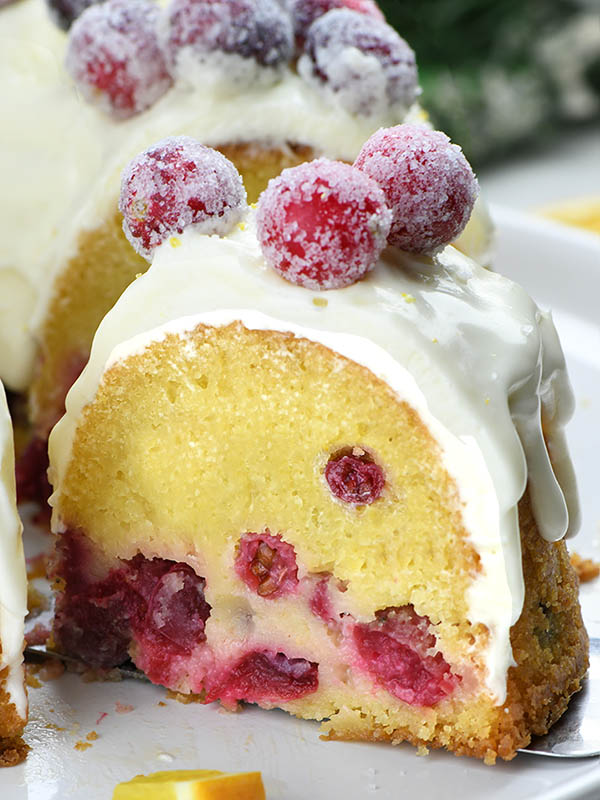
(310, 471)
(270, 86)
(13, 604)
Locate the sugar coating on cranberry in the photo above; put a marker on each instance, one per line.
(115, 59)
(305, 12)
(65, 12)
(362, 62)
(428, 183)
(267, 677)
(250, 33)
(354, 477)
(397, 649)
(321, 226)
(175, 184)
(267, 564)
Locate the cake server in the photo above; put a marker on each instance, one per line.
(577, 732)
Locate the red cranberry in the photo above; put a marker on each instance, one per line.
(157, 603)
(396, 650)
(252, 29)
(367, 66)
(354, 477)
(305, 12)
(320, 601)
(65, 12)
(174, 184)
(427, 181)
(115, 58)
(267, 677)
(322, 226)
(177, 608)
(31, 473)
(267, 564)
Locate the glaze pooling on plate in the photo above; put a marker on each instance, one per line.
(457, 342)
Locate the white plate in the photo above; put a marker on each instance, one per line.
(562, 269)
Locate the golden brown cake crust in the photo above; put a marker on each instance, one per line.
(13, 749)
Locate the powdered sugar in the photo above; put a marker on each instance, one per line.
(177, 183)
(321, 225)
(258, 33)
(114, 56)
(305, 12)
(428, 183)
(362, 62)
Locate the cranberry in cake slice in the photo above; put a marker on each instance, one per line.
(290, 474)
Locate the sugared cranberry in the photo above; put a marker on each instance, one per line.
(427, 181)
(267, 564)
(174, 184)
(321, 225)
(367, 66)
(115, 58)
(65, 12)
(354, 477)
(267, 677)
(177, 608)
(396, 650)
(258, 30)
(305, 12)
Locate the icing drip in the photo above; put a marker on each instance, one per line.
(13, 580)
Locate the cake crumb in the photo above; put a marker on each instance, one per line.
(422, 750)
(51, 669)
(123, 708)
(408, 298)
(92, 736)
(51, 726)
(321, 302)
(174, 241)
(81, 746)
(36, 601)
(586, 568)
(36, 566)
(185, 698)
(37, 635)
(161, 703)
(30, 678)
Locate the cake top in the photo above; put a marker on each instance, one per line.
(74, 151)
(13, 580)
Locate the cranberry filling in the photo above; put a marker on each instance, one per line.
(156, 601)
(396, 650)
(354, 477)
(31, 472)
(267, 564)
(268, 677)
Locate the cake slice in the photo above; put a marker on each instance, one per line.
(13, 604)
(304, 471)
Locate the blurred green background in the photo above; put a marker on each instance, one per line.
(503, 75)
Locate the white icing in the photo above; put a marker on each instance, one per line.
(473, 342)
(13, 578)
(62, 157)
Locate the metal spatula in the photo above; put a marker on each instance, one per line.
(577, 732)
